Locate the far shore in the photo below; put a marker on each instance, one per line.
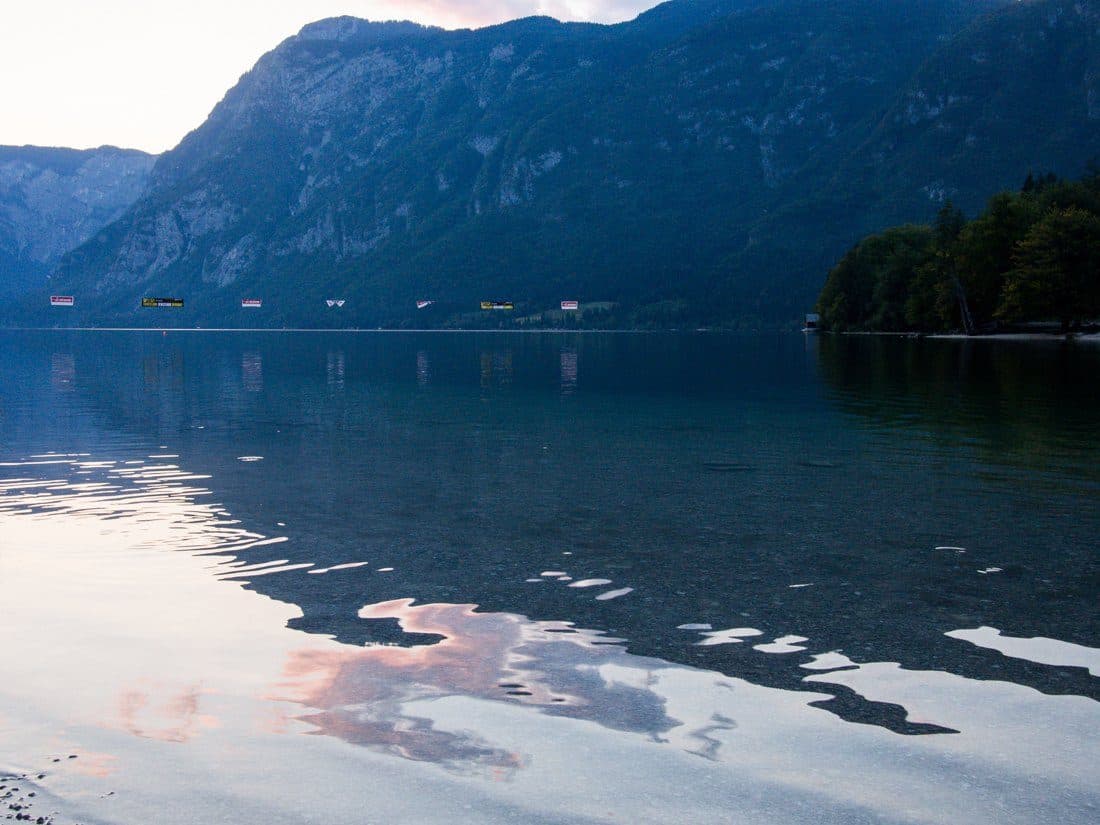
(1023, 336)
(1089, 337)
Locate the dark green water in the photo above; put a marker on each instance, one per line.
(864, 495)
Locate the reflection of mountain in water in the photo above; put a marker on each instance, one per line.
(478, 480)
(1025, 404)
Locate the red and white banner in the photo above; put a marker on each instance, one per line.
(569, 305)
(61, 300)
(251, 302)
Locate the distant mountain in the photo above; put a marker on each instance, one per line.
(705, 163)
(52, 200)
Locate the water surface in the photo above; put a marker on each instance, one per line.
(548, 578)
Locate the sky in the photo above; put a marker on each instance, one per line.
(142, 73)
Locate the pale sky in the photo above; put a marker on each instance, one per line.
(143, 73)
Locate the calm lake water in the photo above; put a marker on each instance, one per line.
(435, 577)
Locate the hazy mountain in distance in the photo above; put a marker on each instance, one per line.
(52, 200)
(705, 163)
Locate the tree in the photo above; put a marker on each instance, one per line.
(1057, 270)
(932, 305)
(1031, 255)
(869, 287)
(950, 222)
(984, 250)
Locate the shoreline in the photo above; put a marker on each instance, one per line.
(361, 330)
(1088, 337)
(1021, 336)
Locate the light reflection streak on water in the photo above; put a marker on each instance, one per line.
(390, 699)
(153, 493)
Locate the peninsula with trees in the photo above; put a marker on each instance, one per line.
(1031, 257)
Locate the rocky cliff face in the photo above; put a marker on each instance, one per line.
(52, 200)
(703, 163)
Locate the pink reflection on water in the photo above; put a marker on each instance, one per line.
(91, 763)
(150, 712)
(360, 694)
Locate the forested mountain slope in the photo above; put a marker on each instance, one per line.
(704, 164)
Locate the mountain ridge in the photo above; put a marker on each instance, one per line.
(54, 198)
(707, 170)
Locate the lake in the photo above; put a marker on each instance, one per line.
(548, 578)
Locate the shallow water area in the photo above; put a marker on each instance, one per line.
(497, 578)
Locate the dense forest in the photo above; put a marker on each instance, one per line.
(1030, 256)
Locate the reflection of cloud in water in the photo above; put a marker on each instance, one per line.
(784, 644)
(399, 700)
(829, 661)
(93, 575)
(361, 692)
(91, 763)
(157, 647)
(730, 636)
(1038, 649)
(995, 720)
(173, 718)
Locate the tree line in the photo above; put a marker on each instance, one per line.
(1030, 256)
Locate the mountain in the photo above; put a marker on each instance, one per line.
(1019, 92)
(705, 163)
(52, 200)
